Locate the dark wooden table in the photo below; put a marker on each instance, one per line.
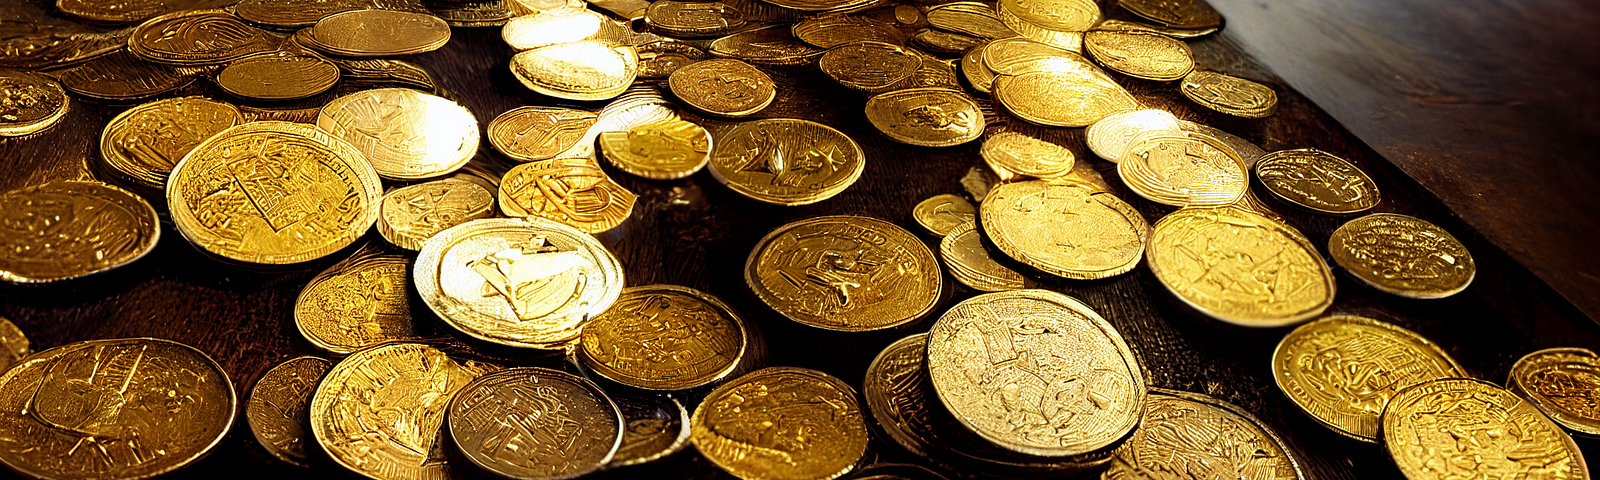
(697, 233)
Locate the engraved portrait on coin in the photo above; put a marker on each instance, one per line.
(845, 273)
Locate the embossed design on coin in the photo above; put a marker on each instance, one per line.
(145, 142)
(661, 150)
(781, 423)
(405, 134)
(1183, 169)
(13, 344)
(942, 213)
(1065, 15)
(927, 117)
(1110, 137)
(975, 19)
(723, 86)
(1071, 94)
(1193, 435)
(1064, 230)
(573, 191)
(586, 70)
(660, 58)
(357, 303)
(121, 76)
(1149, 56)
(1403, 255)
(1564, 383)
(830, 31)
(969, 262)
(655, 427)
(869, 66)
(664, 337)
(693, 19)
(535, 423)
(1466, 428)
(377, 33)
(773, 45)
(64, 230)
(1317, 180)
(198, 37)
(1231, 95)
(292, 14)
(1240, 267)
(29, 102)
(538, 133)
(278, 78)
(407, 216)
(844, 273)
(279, 407)
(787, 161)
(1183, 14)
(1028, 150)
(122, 11)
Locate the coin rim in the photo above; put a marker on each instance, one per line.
(1516, 383)
(609, 373)
(1282, 155)
(249, 405)
(1241, 320)
(697, 420)
(752, 278)
(1405, 468)
(539, 373)
(136, 201)
(1341, 234)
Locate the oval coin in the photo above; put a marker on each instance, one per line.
(1149, 56)
(693, 19)
(1317, 180)
(926, 117)
(144, 143)
(379, 33)
(833, 30)
(664, 337)
(1205, 437)
(538, 133)
(1182, 14)
(723, 86)
(1564, 383)
(774, 45)
(1403, 255)
(535, 423)
(279, 407)
(971, 264)
(409, 215)
(70, 229)
(198, 37)
(1064, 15)
(1028, 150)
(781, 423)
(1183, 169)
(1231, 95)
(661, 150)
(584, 70)
(29, 102)
(1207, 258)
(942, 213)
(1110, 137)
(787, 161)
(1465, 428)
(278, 78)
(869, 66)
(572, 191)
(1061, 97)
(1064, 230)
(405, 134)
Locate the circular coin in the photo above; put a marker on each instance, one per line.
(1183, 169)
(781, 423)
(1204, 438)
(535, 423)
(1467, 428)
(1064, 230)
(278, 78)
(538, 133)
(573, 191)
(357, 303)
(926, 117)
(1110, 137)
(1317, 180)
(69, 229)
(1150, 56)
(145, 142)
(1028, 150)
(1403, 255)
(1564, 383)
(405, 134)
(661, 150)
(278, 410)
(942, 213)
(407, 216)
(869, 66)
(723, 86)
(845, 273)
(1209, 258)
(584, 70)
(969, 262)
(378, 33)
(664, 337)
(29, 102)
(1231, 95)
(1060, 97)
(787, 161)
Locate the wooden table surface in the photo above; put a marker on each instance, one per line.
(697, 233)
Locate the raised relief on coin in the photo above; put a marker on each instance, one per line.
(145, 142)
(378, 33)
(971, 264)
(1403, 255)
(1066, 93)
(1036, 372)
(845, 273)
(573, 191)
(1016, 56)
(1149, 56)
(585, 70)
(1028, 150)
(554, 27)
(659, 59)
(535, 423)
(1064, 15)
(1240, 267)
(1467, 428)
(664, 337)
(787, 161)
(1071, 40)
(1183, 14)
(359, 73)
(1247, 151)
(974, 19)
(278, 78)
(51, 48)
(1063, 230)
(29, 102)
(198, 37)
(1564, 383)
(538, 133)
(405, 134)
(927, 117)
(1110, 137)
(781, 423)
(121, 76)
(655, 426)
(662, 150)
(1231, 95)
(69, 229)
(112, 409)
(774, 45)
(357, 303)
(1183, 169)
(279, 408)
(869, 66)
(408, 216)
(1343, 369)
(292, 14)
(13, 344)
(1317, 180)
(1202, 437)
(723, 86)
(833, 30)
(693, 19)
(123, 11)
(942, 213)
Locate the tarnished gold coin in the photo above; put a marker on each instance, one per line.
(1202, 437)
(942, 213)
(112, 409)
(572, 191)
(1063, 230)
(1210, 259)
(693, 19)
(585, 70)
(974, 19)
(830, 31)
(664, 337)
(535, 423)
(1008, 364)
(787, 161)
(1150, 56)
(380, 412)
(377, 33)
(1564, 383)
(781, 423)
(1110, 137)
(13, 344)
(279, 407)
(662, 150)
(405, 134)
(1342, 370)
(555, 27)
(1184, 14)
(1067, 93)
(29, 102)
(774, 45)
(278, 78)
(121, 76)
(69, 229)
(273, 192)
(869, 66)
(1469, 428)
(524, 282)
(1403, 255)
(357, 303)
(407, 216)
(1183, 169)
(971, 264)
(145, 142)
(657, 426)
(198, 37)
(538, 133)
(1065, 15)
(1028, 150)
(1231, 95)
(723, 86)
(845, 273)
(926, 117)
(1317, 180)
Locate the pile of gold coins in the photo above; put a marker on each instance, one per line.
(322, 137)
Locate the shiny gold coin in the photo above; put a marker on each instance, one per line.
(975, 19)
(55, 49)
(279, 408)
(278, 78)
(942, 213)
(291, 14)
(971, 264)
(663, 150)
(112, 409)
(13, 344)
(409, 215)
(774, 45)
(538, 133)
(1028, 354)
(29, 102)
(145, 142)
(1067, 39)
(1110, 137)
(1184, 14)
(230, 197)
(1028, 150)
(641, 340)
(787, 161)
(820, 5)
(524, 282)
(845, 273)
(1209, 257)
(977, 74)
(1063, 230)
(926, 117)
(833, 30)
(940, 41)
(1183, 169)
(405, 134)
(121, 76)
(1202, 437)
(535, 423)
(1074, 96)
(1403, 255)
(723, 86)
(1317, 180)
(1468, 428)
(1231, 95)
(1342, 370)
(1016, 56)
(1564, 383)
(1065, 15)
(869, 66)
(491, 13)
(555, 27)
(656, 427)
(572, 191)
(660, 58)
(1247, 151)
(384, 72)
(935, 72)
(585, 70)
(693, 19)
(357, 303)
(377, 33)
(70, 229)
(127, 11)
(781, 423)
(198, 37)
(1149, 56)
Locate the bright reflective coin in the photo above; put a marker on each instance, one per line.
(405, 134)
(1208, 258)
(845, 273)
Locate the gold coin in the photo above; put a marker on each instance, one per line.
(1247, 151)
(942, 213)
(1317, 180)
(660, 58)
(977, 74)
(774, 45)
(1208, 257)
(1028, 150)
(585, 70)
(1183, 169)
(278, 78)
(926, 117)
(524, 282)
(663, 150)
(1468, 428)
(656, 427)
(1183, 14)
(13, 344)
(1027, 354)
(128, 11)
(821, 5)
(121, 76)
(198, 37)
(1016, 56)
(869, 66)
(407, 216)
(380, 412)
(640, 341)
(971, 264)
(538, 133)
(787, 161)
(975, 19)
(572, 191)
(1065, 15)
(112, 409)
(723, 86)
(693, 19)
(845, 273)
(1564, 383)
(52, 49)
(555, 27)
(1125, 26)
(383, 71)
(493, 13)
(781, 423)
(1403, 255)
(377, 33)
(1204, 438)
(279, 407)
(1074, 96)
(230, 195)
(1342, 370)
(29, 102)
(1067, 39)
(291, 14)
(1231, 95)
(834, 30)
(1063, 230)
(1149, 56)
(934, 72)
(69, 229)
(357, 303)
(535, 423)
(405, 134)
(1110, 137)
(940, 41)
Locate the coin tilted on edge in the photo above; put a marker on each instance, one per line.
(971, 264)
(13, 344)
(657, 426)
(144, 143)
(787, 161)
(535, 423)
(408, 215)
(1203, 437)
(1403, 255)
(278, 408)
(538, 133)
(845, 273)
(357, 303)
(1064, 230)
(664, 337)
(1564, 383)
(661, 150)
(69, 229)
(1206, 257)
(941, 213)
(1465, 428)
(1317, 180)
(781, 423)
(405, 134)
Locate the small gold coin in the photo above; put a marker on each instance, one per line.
(787, 161)
(1150, 56)
(572, 191)
(998, 357)
(1183, 14)
(833, 30)
(29, 102)
(405, 134)
(121, 76)
(1202, 437)
(1073, 94)
(145, 142)
(1317, 180)
(584, 70)
(926, 117)
(978, 75)
(1063, 230)
(1183, 169)
(291, 14)
(409, 215)
(538, 133)
(102, 409)
(1208, 258)
(869, 66)
(1342, 370)
(69, 229)
(524, 282)
(1403, 255)
(657, 427)
(1231, 95)
(940, 41)
(198, 37)
(13, 344)
(781, 423)
(693, 19)
(1028, 150)
(845, 273)
(774, 45)
(974, 19)
(1110, 137)
(723, 86)
(942, 213)
(1468, 428)
(1065, 15)
(278, 78)
(661, 150)
(535, 423)
(279, 408)
(1564, 383)
(971, 264)
(640, 341)
(357, 303)
(377, 33)
(383, 72)
(555, 27)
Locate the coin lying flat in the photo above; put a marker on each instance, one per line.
(1317, 180)
(1073, 95)
(942, 213)
(144, 143)
(278, 409)
(407, 216)
(291, 14)
(29, 102)
(357, 303)
(198, 37)
(974, 19)
(656, 427)
(693, 19)
(1343, 369)
(787, 161)
(554, 27)
(1063, 230)
(1208, 258)
(1183, 169)
(774, 45)
(833, 30)
(1110, 137)
(664, 337)
(120, 11)
(405, 134)
(1184, 14)
(869, 66)
(1403, 255)
(969, 262)
(723, 86)
(781, 423)
(1068, 39)
(660, 58)
(1465, 428)
(1012, 365)
(535, 423)
(940, 41)
(121, 76)
(1231, 95)
(1150, 56)
(1016, 56)
(278, 78)
(538, 133)
(572, 191)
(377, 33)
(662, 150)
(69, 229)
(1028, 150)
(13, 344)
(586, 70)
(1180, 33)
(926, 117)
(845, 273)
(1067, 15)
(1202, 437)
(103, 409)
(1564, 383)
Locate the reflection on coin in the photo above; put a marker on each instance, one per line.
(377, 33)
(845, 273)
(869, 66)
(554, 27)
(1230, 95)
(939, 41)
(1149, 56)
(942, 213)
(407, 216)
(198, 37)
(1208, 257)
(1069, 96)
(1126, 26)
(405, 134)
(1111, 136)
(787, 161)
(278, 78)
(586, 70)
(13, 344)
(29, 102)
(1028, 150)
(357, 303)
(1063, 230)
(1247, 151)
(977, 74)
(1403, 255)
(723, 86)
(1564, 383)
(144, 143)
(1202, 437)
(1183, 169)
(1184, 14)
(572, 191)
(1067, 15)
(279, 407)
(661, 150)
(68, 229)
(926, 117)
(535, 423)
(975, 19)
(654, 427)
(120, 11)
(1466, 428)
(1317, 180)
(290, 14)
(1067, 39)
(1016, 56)
(773, 45)
(664, 337)
(969, 262)
(693, 19)
(829, 31)
(781, 423)
(538, 133)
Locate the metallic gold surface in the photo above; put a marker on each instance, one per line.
(293, 14)
(143, 143)
(278, 410)
(278, 78)
(723, 86)
(833, 30)
(978, 75)
(662, 150)
(384, 72)
(538, 133)
(1150, 56)
(357, 303)
(781, 423)
(869, 66)
(1195, 436)
(1231, 95)
(121, 11)
(664, 337)
(940, 41)
(69, 229)
(29, 102)
(1110, 137)
(974, 19)
(656, 427)
(377, 33)
(555, 27)
(1067, 92)
(198, 37)
(693, 19)
(774, 45)
(942, 213)
(1016, 56)
(409, 215)
(529, 423)
(586, 70)
(1064, 230)
(572, 191)
(1317, 180)
(405, 134)
(845, 273)
(49, 49)
(1403, 255)
(1247, 151)
(1028, 150)
(121, 76)
(1183, 169)
(1067, 39)
(1065, 15)
(660, 58)
(971, 264)
(787, 161)
(1179, 33)
(1465, 428)
(1209, 257)
(1564, 383)
(13, 344)
(1183, 14)
(926, 117)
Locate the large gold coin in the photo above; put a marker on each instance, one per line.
(787, 161)
(1317, 180)
(278, 78)
(357, 303)
(664, 337)
(564, 25)
(409, 215)
(1342, 370)
(1111, 136)
(1075, 95)
(870, 66)
(535, 423)
(123, 11)
(1028, 150)
(1010, 366)
(377, 33)
(1202, 437)
(273, 193)
(538, 133)
(112, 410)
(1564, 383)
(291, 14)
(942, 213)
(1066, 15)
(781, 423)
(144, 143)
(971, 264)
(573, 191)
(70, 229)
(661, 150)
(1064, 230)
(723, 86)
(586, 70)
(926, 117)
(1183, 169)
(1210, 259)
(1468, 428)
(405, 134)
(1231, 95)
(29, 102)
(198, 37)
(1184, 14)
(845, 273)
(279, 408)
(1403, 255)
(1150, 56)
